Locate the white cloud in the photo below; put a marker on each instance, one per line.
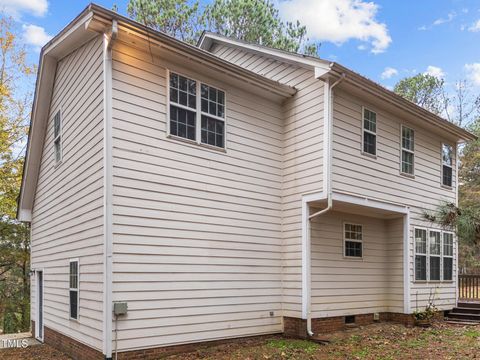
(35, 35)
(435, 71)
(473, 72)
(475, 26)
(449, 18)
(389, 72)
(17, 7)
(341, 20)
(422, 28)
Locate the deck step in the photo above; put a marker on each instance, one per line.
(462, 322)
(466, 310)
(463, 316)
(469, 304)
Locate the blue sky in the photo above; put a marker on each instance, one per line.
(384, 40)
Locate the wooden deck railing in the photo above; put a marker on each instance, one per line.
(469, 287)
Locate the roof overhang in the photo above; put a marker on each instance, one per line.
(324, 69)
(393, 101)
(92, 22)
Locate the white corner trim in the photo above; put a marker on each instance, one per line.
(406, 263)
(107, 196)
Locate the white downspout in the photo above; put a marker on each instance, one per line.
(328, 147)
(108, 39)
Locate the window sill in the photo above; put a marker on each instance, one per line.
(407, 175)
(371, 156)
(446, 187)
(355, 258)
(193, 142)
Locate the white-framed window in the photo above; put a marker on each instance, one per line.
(447, 165)
(408, 150)
(435, 255)
(353, 240)
(57, 136)
(369, 134)
(196, 111)
(73, 288)
(447, 256)
(434, 258)
(420, 254)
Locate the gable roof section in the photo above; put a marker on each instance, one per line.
(91, 22)
(325, 69)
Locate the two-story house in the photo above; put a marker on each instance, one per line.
(180, 194)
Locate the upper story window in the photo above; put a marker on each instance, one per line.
(73, 289)
(192, 103)
(57, 136)
(447, 164)
(369, 132)
(353, 240)
(408, 148)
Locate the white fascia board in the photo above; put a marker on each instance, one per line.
(279, 54)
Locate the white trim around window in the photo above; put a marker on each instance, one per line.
(74, 288)
(57, 137)
(407, 151)
(370, 132)
(353, 235)
(210, 123)
(446, 163)
(430, 254)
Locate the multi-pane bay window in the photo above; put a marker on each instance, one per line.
(353, 240)
(420, 254)
(447, 256)
(73, 289)
(369, 132)
(57, 136)
(191, 103)
(447, 165)
(435, 254)
(408, 147)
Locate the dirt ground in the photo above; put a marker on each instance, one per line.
(373, 342)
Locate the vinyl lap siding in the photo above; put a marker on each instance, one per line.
(380, 179)
(197, 232)
(344, 286)
(68, 215)
(302, 154)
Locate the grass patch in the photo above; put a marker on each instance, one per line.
(291, 344)
(472, 333)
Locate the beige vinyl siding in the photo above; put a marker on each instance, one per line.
(67, 216)
(302, 154)
(197, 232)
(380, 178)
(348, 286)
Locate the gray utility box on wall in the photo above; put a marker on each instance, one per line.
(120, 307)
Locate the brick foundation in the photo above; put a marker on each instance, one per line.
(69, 346)
(295, 327)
